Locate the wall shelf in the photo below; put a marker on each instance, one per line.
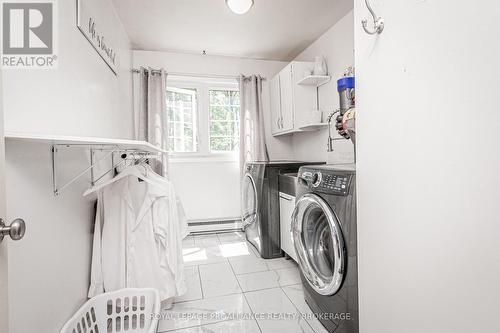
(305, 128)
(85, 142)
(314, 80)
(109, 147)
(289, 132)
(313, 127)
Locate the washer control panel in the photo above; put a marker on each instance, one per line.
(333, 183)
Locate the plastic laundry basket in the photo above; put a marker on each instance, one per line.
(126, 310)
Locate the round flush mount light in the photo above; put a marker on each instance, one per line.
(239, 6)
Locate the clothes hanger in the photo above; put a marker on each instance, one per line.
(152, 173)
(127, 172)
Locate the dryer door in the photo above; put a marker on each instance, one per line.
(319, 244)
(249, 201)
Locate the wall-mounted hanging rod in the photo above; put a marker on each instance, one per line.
(109, 151)
(75, 178)
(134, 156)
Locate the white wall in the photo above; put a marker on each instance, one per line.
(208, 190)
(49, 268)
(211, 190)
(428, 160)
(337, 45)
(82, 96)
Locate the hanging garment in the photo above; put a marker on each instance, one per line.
(137, 238)
(180, 208)
(150, 174)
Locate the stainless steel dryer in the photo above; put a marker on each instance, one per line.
(325, 239)
(260, 204)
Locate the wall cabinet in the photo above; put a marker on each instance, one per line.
(286, 97)
(291, 103)
(274, 92)
(287, 205)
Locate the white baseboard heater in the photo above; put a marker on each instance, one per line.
(214, 225)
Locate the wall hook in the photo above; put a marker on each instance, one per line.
(378, 22)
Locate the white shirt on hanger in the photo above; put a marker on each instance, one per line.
(137, 239)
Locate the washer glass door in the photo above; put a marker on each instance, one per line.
(319, 244)
(249, 201)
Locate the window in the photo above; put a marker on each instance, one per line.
(182, 114)
(204, 118)
(224, 109)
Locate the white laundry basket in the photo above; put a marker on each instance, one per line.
(126, 310)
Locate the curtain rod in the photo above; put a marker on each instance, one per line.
(210, 76)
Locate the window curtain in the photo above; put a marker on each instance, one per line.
(252, 135)
(152, 114)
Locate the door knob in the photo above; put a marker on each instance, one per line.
(16, 230)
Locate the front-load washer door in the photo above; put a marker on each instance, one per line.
(249, 201)
(319, 244)
(250, 212)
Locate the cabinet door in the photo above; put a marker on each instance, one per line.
(275, 97)
(286, 88)
(287, 205)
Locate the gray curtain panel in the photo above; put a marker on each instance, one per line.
(252, 135)
(152, 114)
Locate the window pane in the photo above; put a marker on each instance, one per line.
(182, 114)
(222, 128)
(220, 144)
(224, 113)
(219, 97)
(220, 113)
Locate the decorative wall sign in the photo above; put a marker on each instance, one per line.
(99, 33)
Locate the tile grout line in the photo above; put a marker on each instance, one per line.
(190, 327)
(205, 324)
(298, 310)
(256, 272)
(201, 284)
(243, 293)
(226, 260)
(270, 288)
(246, 300)
(208, 263)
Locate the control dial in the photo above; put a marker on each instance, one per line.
(316, 179)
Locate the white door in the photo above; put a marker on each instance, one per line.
(275, 96)
(17, 231)
(286, 89)
(4, 316)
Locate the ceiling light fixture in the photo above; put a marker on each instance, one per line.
(239, 6)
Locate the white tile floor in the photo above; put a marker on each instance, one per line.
(233, 290)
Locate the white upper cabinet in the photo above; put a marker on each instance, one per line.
(274, 87)
(291, 103)
(286, 96)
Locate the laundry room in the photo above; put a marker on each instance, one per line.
(254, 166)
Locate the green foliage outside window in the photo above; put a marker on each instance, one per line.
(224, 111)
